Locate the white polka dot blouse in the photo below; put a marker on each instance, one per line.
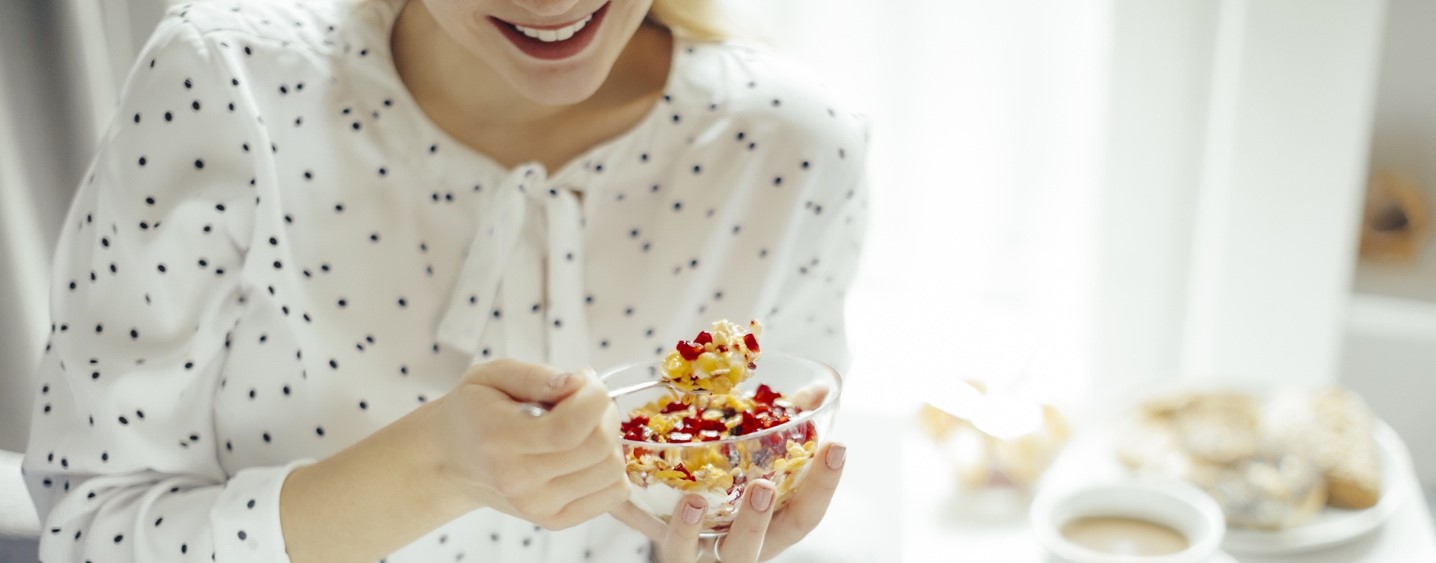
(275, 253)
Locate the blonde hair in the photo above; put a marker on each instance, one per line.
(702, 20)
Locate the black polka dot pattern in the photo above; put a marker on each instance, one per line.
(223, 311)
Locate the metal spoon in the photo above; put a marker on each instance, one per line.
(538, 409)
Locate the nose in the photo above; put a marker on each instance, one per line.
(547, 8)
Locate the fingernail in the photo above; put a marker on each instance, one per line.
(837, 455)
(559, 380)
(692, 513)
(762, 498)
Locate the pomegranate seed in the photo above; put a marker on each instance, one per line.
(636, 429)
(670, 408)
(751, 341)
(703, 338)
(750, 423)
(688, 350)
(765, 395)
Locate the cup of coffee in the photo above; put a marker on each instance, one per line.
(1141, 521)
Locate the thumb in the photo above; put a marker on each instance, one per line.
(526, 382)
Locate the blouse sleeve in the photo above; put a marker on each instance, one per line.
(123, 458)
(818, 257)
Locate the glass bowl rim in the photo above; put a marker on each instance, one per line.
(829, 402)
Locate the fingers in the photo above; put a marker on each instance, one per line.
(589, 507)
(580, 404)
(810, 502)
(589, 480)
(680, 540)
(810, 397)
(636, 518)
(571, 421)
(523, 381)
(600, 445)
(745, 538)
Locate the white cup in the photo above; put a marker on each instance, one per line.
(1175, 504)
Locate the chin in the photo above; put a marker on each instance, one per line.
(506, 38)
(549, 79)
(557, 87)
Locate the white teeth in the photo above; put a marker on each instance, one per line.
(554, 35)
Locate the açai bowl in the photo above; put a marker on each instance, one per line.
(712, 445)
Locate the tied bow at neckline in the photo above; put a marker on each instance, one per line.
(530, 235)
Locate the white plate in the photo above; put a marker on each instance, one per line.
(1331, 526)
(1218, 557)
(1222, 557)
(1334, 526)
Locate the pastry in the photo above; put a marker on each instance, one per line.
(1269, 464)
(1219, 427)
(1332, 427)
(1269, 492)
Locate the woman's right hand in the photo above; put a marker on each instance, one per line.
(556, 470)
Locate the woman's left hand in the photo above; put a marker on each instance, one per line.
(757, 534)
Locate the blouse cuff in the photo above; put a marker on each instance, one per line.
(245, 518)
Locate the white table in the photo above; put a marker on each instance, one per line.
(864, 521)
(898, 503)
(992, 527)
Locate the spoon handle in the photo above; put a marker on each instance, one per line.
(621, 391)
(538, 409)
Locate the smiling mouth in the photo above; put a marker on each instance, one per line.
(553, 42)
(550, 35)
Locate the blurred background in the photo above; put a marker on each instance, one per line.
(1073, 201)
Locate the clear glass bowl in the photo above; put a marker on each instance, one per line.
(776, 454)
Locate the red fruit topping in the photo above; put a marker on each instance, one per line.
(808, 431)
(750, 423)
(711, 425)
(636, 429)
(765, 395)
(752, 365)
(687, 422)
(684, 470)
(751, 342)
(673, 407)
(689, 350)
(703, 338)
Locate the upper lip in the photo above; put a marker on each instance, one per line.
(560, 25)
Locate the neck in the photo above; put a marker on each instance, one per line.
(443, 74)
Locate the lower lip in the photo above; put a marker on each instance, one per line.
(557, 50)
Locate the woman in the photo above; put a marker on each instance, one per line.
(328, 247)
